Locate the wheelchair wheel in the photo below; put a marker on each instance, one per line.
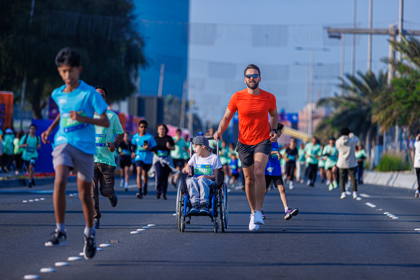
(178, 208)
(182, 227)
(225, 207)
(216, 226)
(221, 210)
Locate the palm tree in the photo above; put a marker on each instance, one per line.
(355, 107)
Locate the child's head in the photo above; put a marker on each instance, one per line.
(224, 144)
(126, 136)
(69, 66)
(102, 91)
(233, 157)
(201, 145)
(142, 126)
(231, 146)
(32, 129)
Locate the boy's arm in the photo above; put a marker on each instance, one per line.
(187, 169)
(45, 134)
(102, 121)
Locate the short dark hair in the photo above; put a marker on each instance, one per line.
(178, 130)
(164, 125)
(143, 122)
(253, 66)
(68, 56)
(103, 88)
(345, 131)
(33, 126)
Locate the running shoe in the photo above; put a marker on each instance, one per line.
(126, 187)
(96, 223)
(308, 183)
(252, 225)
(288, 215)
(258, 219)
(33, 182)
(343, 195)
(204, 209)
(89, 250)
(164, 196)
(355, 195)
(295, 212)
(113, 200)
(29, 185)
(263, 215)
(328, 182)
(335, 184)
(122, 183)
(194, 209)
(59, 239)
(417, 194)
(290, 185)
(140, 196)
(330, 187)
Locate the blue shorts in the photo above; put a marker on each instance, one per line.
(143, 165)
(30, 162)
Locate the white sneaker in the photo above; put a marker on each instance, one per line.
(417, 194)
(355, 195)
(290, 185)
(343, 195)
(328, 183)
(122, 183)
(126, 186)
(252, 226)
(258, 219)
(309, 182)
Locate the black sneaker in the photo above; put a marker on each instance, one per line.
(59, 239)
(89, 250)
(139, 195)
(144, 190)
(194, 209)
(33, 182)
(164, 196)
(113, 200)
(204, 209)
(29, 185)
(96, 223)
(158, 196)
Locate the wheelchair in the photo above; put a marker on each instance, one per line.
(218, 201)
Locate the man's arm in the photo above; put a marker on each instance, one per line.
(223, 124)
(274, 120)
(102, 121)
(45, 134)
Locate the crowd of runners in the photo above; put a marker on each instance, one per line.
(92, 144)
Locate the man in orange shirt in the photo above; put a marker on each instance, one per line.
(255, 136)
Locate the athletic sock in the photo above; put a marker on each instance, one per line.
(139, 191)
(285, 209)
(144, 185)
(126, 185)
(61, 228)
(88, 231)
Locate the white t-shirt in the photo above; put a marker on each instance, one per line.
(204, 166)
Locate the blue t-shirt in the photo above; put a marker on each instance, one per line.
(233, 165)
(142, 154)
(273, 165)
(85, 100)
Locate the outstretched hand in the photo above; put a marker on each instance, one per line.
(44, 137)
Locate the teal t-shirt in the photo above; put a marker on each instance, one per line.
(142, 154)
(332, 158)
(8, 144)
(85, 100)
(103, 135)
(30, 152)
(185, 154)
(179, 148)
(360, 154)
(283, 155)
(312, 152)
(301, 155)
(224, 155)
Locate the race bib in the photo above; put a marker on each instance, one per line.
(291, 157)
(100, 140)
(140, 148)
(162, 153)
(126, 152)
(233, 167)
(71, 125)
(30, 149)
(203, 169)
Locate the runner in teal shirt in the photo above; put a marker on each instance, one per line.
(330, 153)
(30, 143)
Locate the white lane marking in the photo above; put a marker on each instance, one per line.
(25, 201)
(36, 199)
(151, 225)
(83, 254)
(71, 194)
(140, 229)
(174, 214)
(105, 245)
(74, 259)
(364, 195)
(31, 200)
(147, 227)
(97, 249)
(417, 229)
(394, 218)
(134, 232)
(229, 190)
(359, 198)
(386, 213)
(61, 264)
(42, 198)
(47, 269)
(31, 276)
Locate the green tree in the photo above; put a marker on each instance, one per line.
(102, 31)
(354, 108)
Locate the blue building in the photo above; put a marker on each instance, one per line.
(164, 28)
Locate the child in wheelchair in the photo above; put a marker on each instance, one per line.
(203, 163)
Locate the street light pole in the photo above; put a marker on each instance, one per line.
(353, 52)
(311, 92)
(370, 36)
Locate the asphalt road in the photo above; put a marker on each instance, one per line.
(329, 239)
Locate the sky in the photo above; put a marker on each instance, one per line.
(228, 35)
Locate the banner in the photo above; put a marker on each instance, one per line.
(6, 109)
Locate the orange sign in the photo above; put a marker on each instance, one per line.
(6, 109)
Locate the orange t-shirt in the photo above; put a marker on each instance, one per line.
(253, 115)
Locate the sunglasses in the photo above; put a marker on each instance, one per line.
(143, 126)
(253, 76)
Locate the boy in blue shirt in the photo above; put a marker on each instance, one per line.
(143, 157)
(234, 170)
(74, 144)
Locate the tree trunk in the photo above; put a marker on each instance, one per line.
(35, 97)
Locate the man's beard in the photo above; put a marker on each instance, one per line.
(252, 86)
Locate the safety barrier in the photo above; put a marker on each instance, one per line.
(406, 180)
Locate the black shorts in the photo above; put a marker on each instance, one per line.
(125, 162)
(29, 162)
(178, 162)
(246, 152)
(278, 180)
(236, 176)
(144, 166)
